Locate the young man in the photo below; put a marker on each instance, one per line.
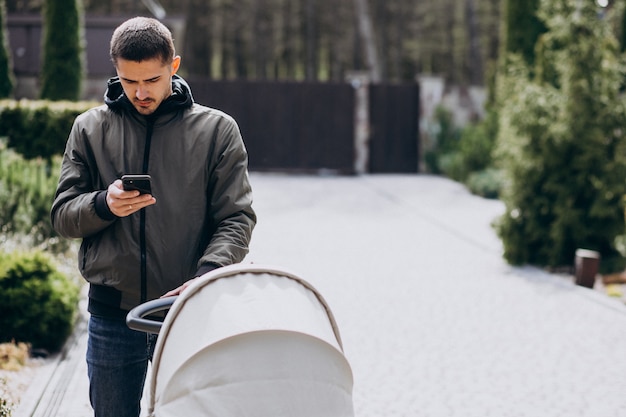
(137, 247)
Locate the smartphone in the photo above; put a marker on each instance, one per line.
(140, 182)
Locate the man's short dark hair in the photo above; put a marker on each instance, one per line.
(142, 38)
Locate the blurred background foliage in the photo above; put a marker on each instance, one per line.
(321, 39)
(550, 144)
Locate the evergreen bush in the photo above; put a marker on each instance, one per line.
(38, 304)
(471, 153)
(6, 74)
(27, 190)
(63, 61)
(476, 145)
(466, 155)
(487, 183)
(562, 143)
(522, 28)
(445, 139)
(452, 165)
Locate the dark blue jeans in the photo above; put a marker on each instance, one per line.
(117, 363)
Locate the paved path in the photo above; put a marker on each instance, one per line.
(434, 323)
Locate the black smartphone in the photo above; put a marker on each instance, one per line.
(140, 182)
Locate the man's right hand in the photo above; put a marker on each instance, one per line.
(124, 203)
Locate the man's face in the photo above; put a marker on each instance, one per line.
(146, 83)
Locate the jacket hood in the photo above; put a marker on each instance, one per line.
(181, 97)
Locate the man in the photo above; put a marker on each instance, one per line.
(136, 247)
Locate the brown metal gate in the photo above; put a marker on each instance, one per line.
(394, 135)
(309, 127)
(288, 126)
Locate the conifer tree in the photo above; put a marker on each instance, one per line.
(63, 67)
(563, 144)
(522, 28)
(6, 74)
(622, 30)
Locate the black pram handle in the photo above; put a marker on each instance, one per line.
(135, 319)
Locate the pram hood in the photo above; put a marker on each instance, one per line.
(250, 340)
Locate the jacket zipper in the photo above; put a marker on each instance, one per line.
(142, 216)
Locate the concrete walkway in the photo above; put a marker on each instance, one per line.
(434, 322)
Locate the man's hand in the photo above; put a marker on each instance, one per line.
(179, 290)
(124, 203)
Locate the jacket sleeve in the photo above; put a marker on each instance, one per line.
(230, 199)
(73, 212)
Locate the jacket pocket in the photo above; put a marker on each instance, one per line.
(85, 250)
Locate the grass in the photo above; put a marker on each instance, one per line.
(13, 356)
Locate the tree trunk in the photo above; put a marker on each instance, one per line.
(368, 39)
(311, 41)
(289, 50)
(198, 51)
(262, 38)
(475, 66)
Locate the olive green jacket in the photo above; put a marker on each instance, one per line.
(203, 214)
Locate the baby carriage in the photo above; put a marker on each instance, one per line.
(244, 341)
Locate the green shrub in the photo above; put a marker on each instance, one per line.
(476, 145)
(38, 304)
(562, 144)
(457, 152)
(27, 190)
(487, 183)
(522, 28)
(444, 139)
(452, 165)
(39, 128)
(466, 155)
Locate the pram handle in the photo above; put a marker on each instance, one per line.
(135, 319)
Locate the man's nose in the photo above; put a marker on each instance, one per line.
(142, 92)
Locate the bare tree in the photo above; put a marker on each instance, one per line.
(311, 40)
(335, 39)
(368, 39)
(322, 39)
(198, 49)
(475, 65)
(287, 48)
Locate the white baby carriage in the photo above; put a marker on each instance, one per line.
(244, 341)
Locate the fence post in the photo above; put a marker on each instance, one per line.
(360, 83)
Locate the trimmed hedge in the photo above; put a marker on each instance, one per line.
(38, 303)
(39, 128)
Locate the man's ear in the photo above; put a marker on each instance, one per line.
(175, 64)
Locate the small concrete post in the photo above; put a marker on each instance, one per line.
(360, 82)
(587, 262)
